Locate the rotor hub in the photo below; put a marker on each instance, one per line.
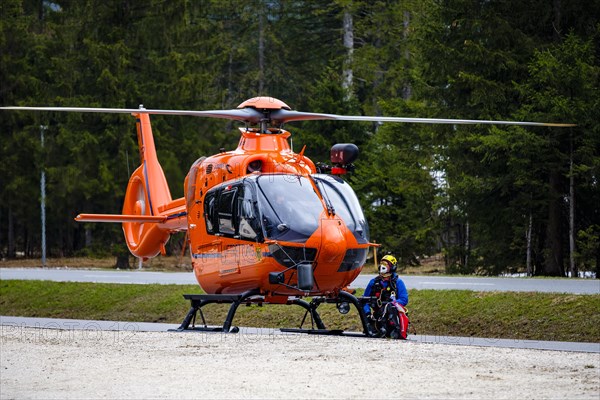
(264, 103)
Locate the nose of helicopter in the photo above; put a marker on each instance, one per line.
(333, 242)
(333, 245)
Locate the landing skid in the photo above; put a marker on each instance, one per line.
(325, 332)
(253, 297)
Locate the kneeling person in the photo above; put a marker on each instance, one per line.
(388, 315)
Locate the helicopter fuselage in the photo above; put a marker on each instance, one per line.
(257, 213)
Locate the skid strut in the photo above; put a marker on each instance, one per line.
(200, 300)
(342, 297)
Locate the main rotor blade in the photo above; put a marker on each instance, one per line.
(245, 115)
(253, 116)
(287, 116)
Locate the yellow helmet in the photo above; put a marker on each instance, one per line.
(391, 260)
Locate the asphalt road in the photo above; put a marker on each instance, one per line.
(574, 286)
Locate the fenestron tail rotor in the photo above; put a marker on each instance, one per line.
(268, 110)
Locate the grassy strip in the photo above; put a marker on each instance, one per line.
(534, 316)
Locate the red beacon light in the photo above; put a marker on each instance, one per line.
(342, 156)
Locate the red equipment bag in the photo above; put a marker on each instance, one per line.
(403, 320)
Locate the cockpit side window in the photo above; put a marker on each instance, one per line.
(227, 210)
(249, 218)
(232, 211)
(209, 212)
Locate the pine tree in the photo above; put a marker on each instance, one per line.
(571, 156)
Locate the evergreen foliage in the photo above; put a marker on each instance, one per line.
(489, 198)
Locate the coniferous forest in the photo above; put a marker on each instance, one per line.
(491, 199)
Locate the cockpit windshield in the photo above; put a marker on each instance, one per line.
(290, 207)
(283, 207)
(345, 204)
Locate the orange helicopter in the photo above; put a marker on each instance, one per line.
(264, 224)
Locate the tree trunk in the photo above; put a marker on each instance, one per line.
(11, 253)
(88, 237)
(556, 23)
(467, 245)
(1, 243)
(230, 87)
(261, 51)
(553, 265)
(597, 262)
(349, 46)
(123, 261)
(528, 236)
(407, 88)
(572, 266)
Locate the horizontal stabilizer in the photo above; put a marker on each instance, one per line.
(119, 218)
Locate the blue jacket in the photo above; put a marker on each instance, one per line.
(401, 292)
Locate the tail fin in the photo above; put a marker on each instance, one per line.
(157, 189)
(147, 194)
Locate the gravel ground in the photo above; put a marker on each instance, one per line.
(62, 364)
